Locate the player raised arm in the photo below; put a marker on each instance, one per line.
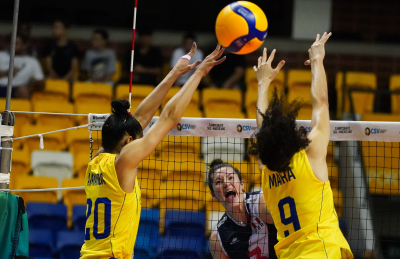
(148, 107)
(320, 123)
(265, 75)
(133, 153)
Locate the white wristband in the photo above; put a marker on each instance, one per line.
(186, 57)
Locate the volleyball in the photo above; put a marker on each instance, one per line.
(241, 27)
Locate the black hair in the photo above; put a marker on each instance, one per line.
(103, 33)
(118, 125)
(214, 166)
(64, 22)
(189, 35)
(278, 138)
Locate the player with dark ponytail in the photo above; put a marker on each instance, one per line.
(246, 230)
(111, 186)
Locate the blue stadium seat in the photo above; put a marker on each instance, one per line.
(149, 223)
(185, 224)
(180, 247)
(40, 243)
(48, 216)
(145, 247)
(69, 244)
(79, 217)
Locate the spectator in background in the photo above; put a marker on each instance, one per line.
(61, 54)
(147, 61)
(28, 75)
(187, 43)
(24, 29)
(230, 74)
(99, 62)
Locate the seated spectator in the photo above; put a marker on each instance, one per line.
(230, 74)
(187, 43)
(99, 62)
(24, 29)
(28, 75)
(61, 54)
(147, 61)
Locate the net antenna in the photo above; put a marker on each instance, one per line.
(132, 54)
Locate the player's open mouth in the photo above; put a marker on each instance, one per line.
(230, 195)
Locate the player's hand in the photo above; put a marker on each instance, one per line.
(264, 70)
(212, 60)
(182, 66)
(317, 50)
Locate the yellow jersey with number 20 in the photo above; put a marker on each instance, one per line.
(112, 215)
(303, 212)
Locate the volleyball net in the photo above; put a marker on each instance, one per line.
(363, 163)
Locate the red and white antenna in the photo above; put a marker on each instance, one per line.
(132, 54)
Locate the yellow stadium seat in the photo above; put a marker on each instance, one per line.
(354, 80)
(251, 103)
(338, 201)
(305, 113)
(20, 165)
(182, 144)
(54, 90)
(224, 114)
(78, 141)
(73, 197)
(380, 117)
(62, 121)
(149, 181)
(36, 182)
(99, 107)
(21, 119)
(118, 72)
(394, 85)
(333, 171)
(194, 102)
(192, 113)
(135, 103)
(139, 92)
(52, 141)
(298, 78)
(381, 161)
(81, 161)
(92, 92)
(183, 170)
(339, 94)
(223, 100)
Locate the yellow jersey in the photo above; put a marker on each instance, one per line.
(112, 215)
(303, 212)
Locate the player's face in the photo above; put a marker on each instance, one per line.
(228, 189)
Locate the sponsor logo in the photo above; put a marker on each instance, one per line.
(212, 126)
(185, 126)
(308, 129)
(151, 124)
(241, 128)
(99, 117)
(234, 240)
(342, 130)
(369, 131)
(243, 11)
(222, 221)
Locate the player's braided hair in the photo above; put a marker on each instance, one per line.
(278, 138)
(214, 166)
(118, 125)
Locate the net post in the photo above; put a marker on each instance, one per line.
(7, 119)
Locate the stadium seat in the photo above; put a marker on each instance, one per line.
(21, 119)
(52, 141)
(298, 77)
(139, 92)
(188, 224)
(36, 182)
(251, 103)
(118, 72)
(143, 247)
(179, 248)
(78, 141)
(381, 161)
(252, 83)
(149, 222)
(178, 170)
(181, 144)
(99, 107)
(52, 217)
(79, 218)
(54, 90)
(72, 198)
(84, 92)
(40, 243)
(394, 85)
(338, 201)
(333, 172)
(221, 114)
(69, 244)
(62, 121)
(149, 177)
(381, 117)
(354, 80)
(192, 113)
(21, 165)
(222, 100)
(81, 161)
(194, 102)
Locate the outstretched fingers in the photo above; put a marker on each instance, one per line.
(280, 65)
(271, 57)
(193, 49)
(325, 37)
(219, 61)
(195, 64)
(264, 56)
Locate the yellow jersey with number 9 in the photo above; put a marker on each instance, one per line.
(303, 212)
(112, 215)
